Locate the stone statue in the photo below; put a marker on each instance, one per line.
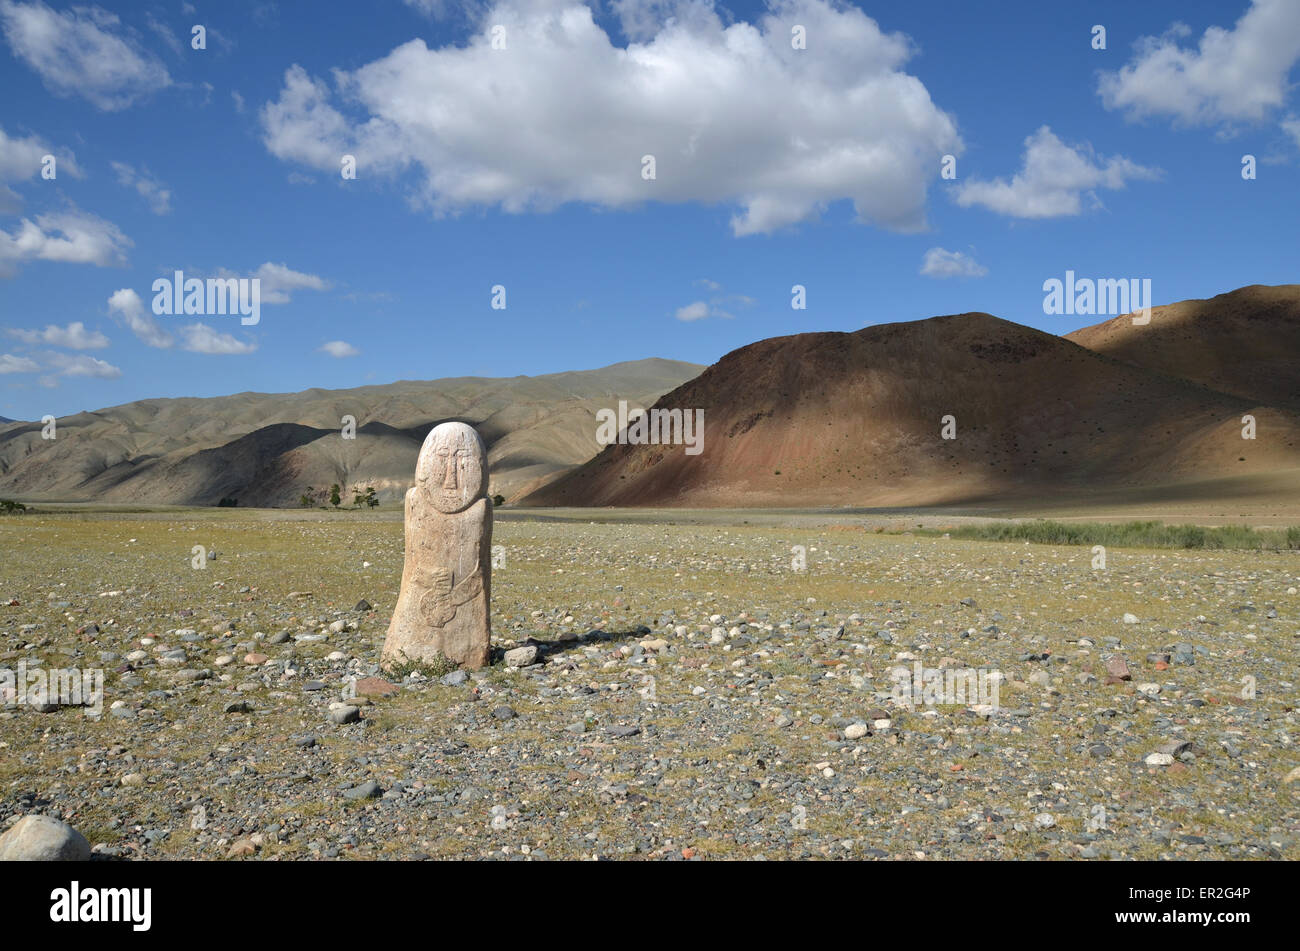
(443, 606)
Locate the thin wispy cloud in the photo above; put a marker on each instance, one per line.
(158, 196)
(82, 52)
(81, 365)
(14, 364)
(74, 336)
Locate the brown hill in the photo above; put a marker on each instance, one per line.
(855, 418)
(1245, 342)
(267, 449)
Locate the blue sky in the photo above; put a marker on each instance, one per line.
(521, 167)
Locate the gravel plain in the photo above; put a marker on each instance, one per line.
(690, 692)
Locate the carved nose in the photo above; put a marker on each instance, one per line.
(449, 476)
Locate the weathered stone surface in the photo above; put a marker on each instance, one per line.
(443, 606)
(1117, 668)
(42, 839)
(521, 656)
(375, 687)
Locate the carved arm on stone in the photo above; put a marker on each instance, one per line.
(440, 600)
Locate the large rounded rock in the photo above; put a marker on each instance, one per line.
(42, 839)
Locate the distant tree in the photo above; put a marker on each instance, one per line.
(305, 501)
(335, 498)
(10, 506)
(370, 498)
(498, 500)
(228, 503)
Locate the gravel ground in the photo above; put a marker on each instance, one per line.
(694, 696)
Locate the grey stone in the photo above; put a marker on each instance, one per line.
(367, 790)
(522, 656)
(342, 713)
(43, 839)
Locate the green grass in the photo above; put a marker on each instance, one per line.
(1131, 535)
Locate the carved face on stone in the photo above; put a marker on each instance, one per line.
(452, 469)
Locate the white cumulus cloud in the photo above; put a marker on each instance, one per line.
(1053, 180)
(731, 113)
(279, 281)
(82, 365)
(202, 338)
(127, 304)
(1230, 75)
(69, 236)
(75, 336)
(11, 364)
(941, 263)
(339, 348)
(697, 310)
(82, 51)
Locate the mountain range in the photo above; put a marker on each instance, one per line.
(858, 419)
(265, 449)
(813, 419)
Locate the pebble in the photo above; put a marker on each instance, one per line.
(342, 713)
(241, 847)
(521, 656)
(375, 687)
(1117, 668)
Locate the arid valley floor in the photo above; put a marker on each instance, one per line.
(696, 698)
